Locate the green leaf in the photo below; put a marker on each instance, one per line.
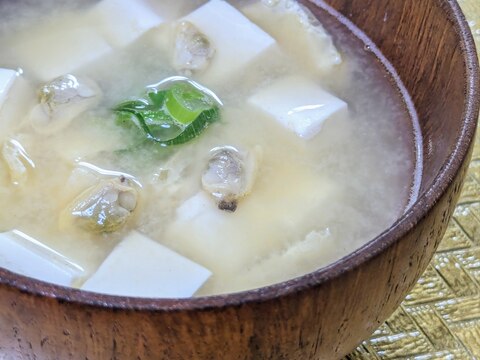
(134, 105)
(195, 128)
(172, 116)
(157, 98)
(137, 119)
(185, 103)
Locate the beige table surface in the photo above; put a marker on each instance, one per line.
(440, 318)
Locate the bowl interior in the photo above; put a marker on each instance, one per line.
(441, 75)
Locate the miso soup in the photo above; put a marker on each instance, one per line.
(189, 148)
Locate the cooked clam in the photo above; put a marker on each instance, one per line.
(193, 50)
(61, 100)
(229, 176)
(105, 207)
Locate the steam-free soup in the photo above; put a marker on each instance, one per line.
(187, 148)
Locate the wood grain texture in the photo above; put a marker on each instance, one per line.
(323, 315)
(440, 318)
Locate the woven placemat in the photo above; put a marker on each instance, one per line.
(440, 318)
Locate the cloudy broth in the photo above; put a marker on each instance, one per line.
(311, 200)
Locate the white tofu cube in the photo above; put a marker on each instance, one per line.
(299, 104)
(24, 255)
(17, 96)
(199, 230)
(124, 21)
(197, 205)
(7, 78)
(237, 41)
(317, 249)
(174, 9)
(55, 52)
(141, 267)
(267, 218)
(298, 32)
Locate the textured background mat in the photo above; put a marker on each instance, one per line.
(440, 318)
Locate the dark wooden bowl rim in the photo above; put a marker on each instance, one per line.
(370, 250)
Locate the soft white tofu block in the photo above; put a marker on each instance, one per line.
(24, 255)
(17, 96)
(297, 31)
(267, 217)
(123, 21)
(58, 51)
(201, 231)
(237, 41)
(174, 9)
(7, 78)
(141, 267)
(316, 250)
(299, 104)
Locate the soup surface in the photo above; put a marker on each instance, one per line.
(307, 149)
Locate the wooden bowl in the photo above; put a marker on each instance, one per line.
(322, 315)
